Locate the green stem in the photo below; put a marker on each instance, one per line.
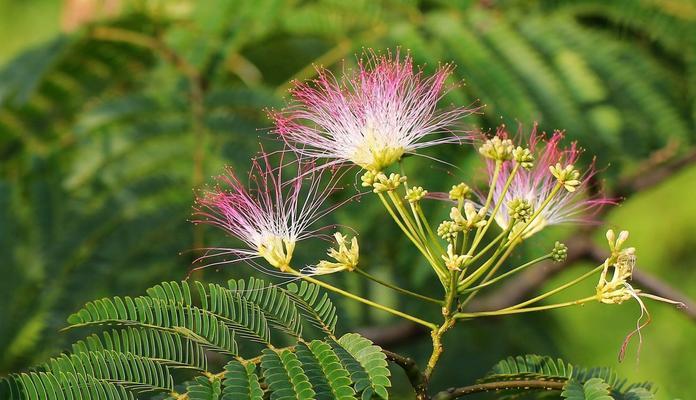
(490, 273)
(505, 275)
(433, 238)
(523, 310)
(556, 290)
(479, 236)
(483, 268)
(362, 300)
(397, 288)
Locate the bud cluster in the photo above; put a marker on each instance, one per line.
(559, 252)
(520, 209)
(568, 176)
(415, 194)
(524, 157)
(383, 183)
(453, 261)
(459, 192)
(497, 149)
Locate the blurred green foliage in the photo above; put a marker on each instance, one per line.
(105, 131)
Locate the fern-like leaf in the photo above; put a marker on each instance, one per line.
(315, 305)
(366, 363)
(241, 382)
(134, 372)
(160, 346)
(530, 367)
(191, 322)
(65, 385)
(280, 309)
(593, 389)
(204, 389)
(284, 375)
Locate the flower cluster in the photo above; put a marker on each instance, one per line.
(370, 117)
(542, 178)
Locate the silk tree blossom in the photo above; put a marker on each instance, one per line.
(272, 214)
(371, 117)
(533, 183)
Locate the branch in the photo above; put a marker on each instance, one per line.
(496, 386)
(413, 373)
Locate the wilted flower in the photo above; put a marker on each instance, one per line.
(371, 117)
(536, 184)
(272, 215)
(346, 258)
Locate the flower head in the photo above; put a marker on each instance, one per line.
(371, 117)
(272, 214)
(533, 184)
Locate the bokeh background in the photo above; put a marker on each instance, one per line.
(112, 111)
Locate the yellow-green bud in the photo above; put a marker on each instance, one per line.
(448, 230)
(497, 149)
(368, 178)
(520, 209)
(568, 176)
(415, 194)
(387, 184)
(459, 192)
(559, 252)
(474, 219)
(524, 157)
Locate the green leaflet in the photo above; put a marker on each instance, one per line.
(323, 367)
(194, 323)
(43, 386)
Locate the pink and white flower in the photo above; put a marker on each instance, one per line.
(272, 214)
(372, 117)
(536, 184)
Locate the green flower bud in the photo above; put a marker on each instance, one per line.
(415, 194)
(568, 176)
(524, 157)
(520, 209)
(497, 149)
(387, 184)
(559, 252)
(448, 230)
(368, 178)
(459, 192)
